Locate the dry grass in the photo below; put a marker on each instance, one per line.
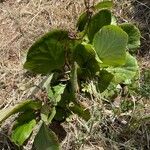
(22, 22)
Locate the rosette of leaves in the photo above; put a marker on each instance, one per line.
(101, 54)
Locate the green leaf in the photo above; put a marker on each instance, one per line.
(48, 53)
(23, 127)
(24, 116)
(126, 105)
(82, 21)
(99, 20)
(47, 82)
(85, 57)
(62, 113)
(54, 94)
(125, 73)
(110, 44)
(80, 110)
(57, 97)
(133, 35)
(104, 4)
(67, 105)
(113, 20)
(104, 80)
(46, 139)
(25, 105)
(62, 108)
(47, 113)
(111, 92)
(22, 132)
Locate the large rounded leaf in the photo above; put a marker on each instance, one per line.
(46, 139)
(133, 35)
(110, 44)
(99, 20)
(125, 73)
(85, 57)
(48, 53)
(82, 21)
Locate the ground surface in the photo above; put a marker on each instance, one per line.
(23, 21)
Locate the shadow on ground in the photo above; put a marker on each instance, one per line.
(142, 18)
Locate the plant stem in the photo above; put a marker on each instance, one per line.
(74, 80)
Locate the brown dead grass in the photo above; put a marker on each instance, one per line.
(23, 21)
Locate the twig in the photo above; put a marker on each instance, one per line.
(142, 4)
